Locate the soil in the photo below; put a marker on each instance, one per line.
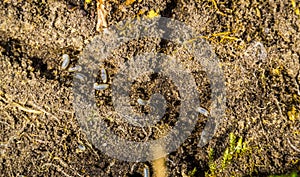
(39, 132)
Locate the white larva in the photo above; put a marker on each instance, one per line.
(81, 147)
(100, 86)
(202, 111)
(66, 61)
(103, 75)
(142, 102)
(80, 76)
(146, 172)
(74, 69)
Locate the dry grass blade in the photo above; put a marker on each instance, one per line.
(159, 165)
(102, 13)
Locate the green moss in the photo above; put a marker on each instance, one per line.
(293, 174)
(232, 141)
(239, 145)
(212, 165)
(226, 158)
(193, 172)
(235, 149)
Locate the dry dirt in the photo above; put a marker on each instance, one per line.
(39, 132)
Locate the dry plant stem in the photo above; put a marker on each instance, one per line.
(102, 13)
(297, 83)
(64, 164)
(17, 134)
(58, 169)
(23, 108)
(43, 110)
(133, 167)
(279, 107)
(292, 146)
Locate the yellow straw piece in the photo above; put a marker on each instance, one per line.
(88, 1)
(152, 14)
(221, 34)
(293, 3)
(297, 11)
(129, 2)
(228, 37)
(26, 109)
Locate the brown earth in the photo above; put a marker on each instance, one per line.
(40, 135)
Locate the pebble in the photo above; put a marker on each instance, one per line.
(257, 50)
(262, 53)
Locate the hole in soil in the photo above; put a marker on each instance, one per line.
(167, 12)
(39, 65)
(12, 49)
(134, 175)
